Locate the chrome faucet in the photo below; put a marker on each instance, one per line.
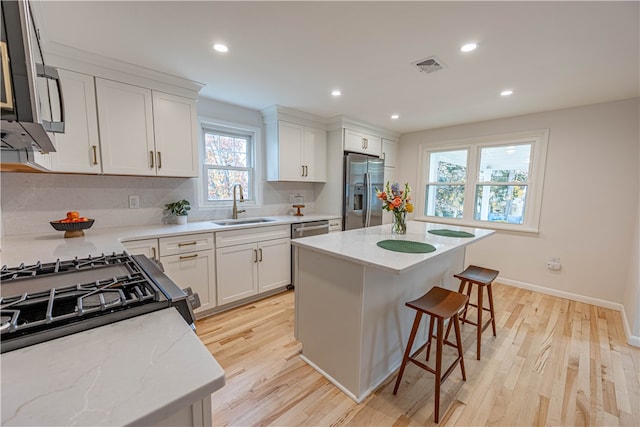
(235, 205)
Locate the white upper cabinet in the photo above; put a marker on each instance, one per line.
(296, 150)
(315, 154)
(299, 153)
(125, 114)
(389, 152)
(176, 135)
(78, 148)
(144, 132)
(359, 142)
(289, 143)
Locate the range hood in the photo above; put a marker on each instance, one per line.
(27, 87)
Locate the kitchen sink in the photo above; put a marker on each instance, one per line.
(242, 221)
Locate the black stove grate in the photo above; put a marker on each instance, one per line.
(44, 312)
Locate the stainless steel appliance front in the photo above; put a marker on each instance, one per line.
(362, 175)
(305, 229)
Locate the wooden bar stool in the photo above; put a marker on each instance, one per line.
(440, 304)
(483, 277)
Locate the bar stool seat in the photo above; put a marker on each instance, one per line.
(483, 277)
(440, 304)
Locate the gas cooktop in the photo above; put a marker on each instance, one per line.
(46, 301)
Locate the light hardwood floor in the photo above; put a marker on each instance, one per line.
(554, 362)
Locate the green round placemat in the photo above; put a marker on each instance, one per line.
(406, 246)
(451, 233)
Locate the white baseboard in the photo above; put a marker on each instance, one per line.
(631, 339)
(333, 380)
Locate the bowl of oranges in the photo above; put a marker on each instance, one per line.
(73, 225)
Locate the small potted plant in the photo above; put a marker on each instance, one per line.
(180, 210)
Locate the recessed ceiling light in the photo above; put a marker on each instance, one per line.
(395, 116)
(506, 92)
(336, 92)
(219, 47)
(468, 47)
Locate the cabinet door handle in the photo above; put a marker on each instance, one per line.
(366, 143)
(186, 244)
(94, 149)
(188, 256)
(153, 253)
(151, 158)
(302, 172)
(260, 251)
(159, 160)
(255, 255)
(306, 170)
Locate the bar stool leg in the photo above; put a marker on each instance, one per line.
(439, 345)
(469, 287)
(479, 326)
(456, 324)
(493, 315)
(430, 336)
(407, 352)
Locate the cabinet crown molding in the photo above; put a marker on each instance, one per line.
(344, 122)
(277, 112)
(67, 57)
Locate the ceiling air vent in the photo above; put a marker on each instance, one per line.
(429, 65)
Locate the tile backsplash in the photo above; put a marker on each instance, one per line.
(31, 200)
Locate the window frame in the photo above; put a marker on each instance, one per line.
(538, 139)
(235, 129)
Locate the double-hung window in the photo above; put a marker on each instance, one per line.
(228, 159)
(491, 182)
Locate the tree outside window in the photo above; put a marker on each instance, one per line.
(228, 161)
(501, 193)
(446, 187)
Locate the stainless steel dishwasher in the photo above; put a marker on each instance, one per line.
(305, 229)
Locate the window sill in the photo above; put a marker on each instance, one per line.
(478, 224)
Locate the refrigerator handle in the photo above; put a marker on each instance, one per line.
(367, 197)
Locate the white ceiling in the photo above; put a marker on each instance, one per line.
(552, 54)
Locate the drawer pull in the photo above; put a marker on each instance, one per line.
(186, 244)
(188, 256)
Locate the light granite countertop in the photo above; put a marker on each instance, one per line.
(134, 372)
(47, 247)
(360, 245)
(137, 371)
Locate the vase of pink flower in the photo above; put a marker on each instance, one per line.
(396, 200)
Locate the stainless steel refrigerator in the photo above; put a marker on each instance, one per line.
(362, 175)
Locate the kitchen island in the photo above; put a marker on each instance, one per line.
(349, 311)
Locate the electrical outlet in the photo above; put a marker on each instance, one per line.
(554, 263)
(134, 202)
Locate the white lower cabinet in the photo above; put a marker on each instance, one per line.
(189, 260)
(252, 261)
(146, 247)
(335, 225)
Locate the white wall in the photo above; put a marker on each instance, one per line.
(632, 293)
(30, 200)
(589, 208)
